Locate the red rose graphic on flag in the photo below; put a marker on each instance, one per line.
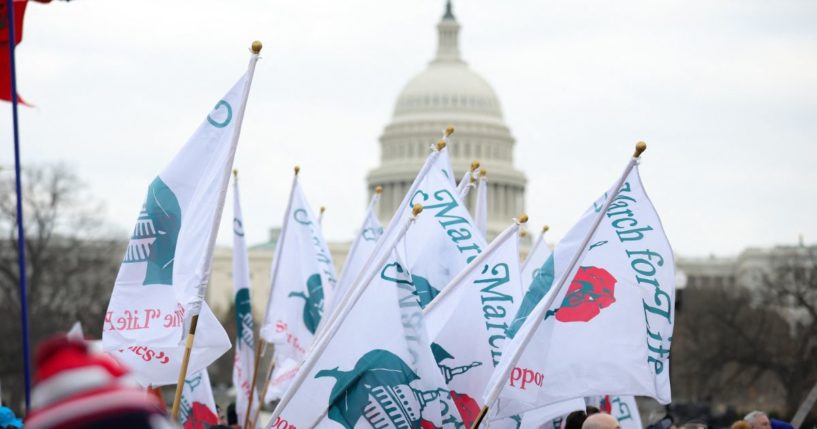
(590, 291)
(467, 406)
(200, 417)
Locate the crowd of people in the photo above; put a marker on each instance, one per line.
(76, 387)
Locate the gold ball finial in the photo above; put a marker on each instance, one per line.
(417, 209)
(474, 165)
(297, 169)
(378, 190)
(256, 47)
(523, 218)
(483, 172)
(235, 172)
(545, 229)
(640, 147)
(323, 209)
(440, 145)
(449, 131)
(523, 233)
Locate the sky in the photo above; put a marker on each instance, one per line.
(724, 93)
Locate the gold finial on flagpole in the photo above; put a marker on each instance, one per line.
(483, 172)
(256, 47)
(523, 218)
(378, 190)
(235, 172)
(523, 233)
(640, 147)
(323, 209)
(474, 165)
(417, 209)
(449, 131)
(545, 229)
(440, 145)
(297, 169)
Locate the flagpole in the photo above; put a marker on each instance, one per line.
(537, 315)
(332, 329)
(513, 229)
(194, 320)
(254, 379)
(21, 246)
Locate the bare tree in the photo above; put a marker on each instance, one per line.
(751, 344)
(71, 263)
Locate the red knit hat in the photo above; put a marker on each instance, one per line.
(77, 388)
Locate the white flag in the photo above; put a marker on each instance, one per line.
(244, 361)
(166, 268)
(361, 249)
(303, 280)
(538, 255)
(377, 369)
(467, 321)
(620, 301)
(197, 408)
(481, 209)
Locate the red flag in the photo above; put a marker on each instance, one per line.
(5, 66)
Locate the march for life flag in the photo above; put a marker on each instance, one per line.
(377, 370)
(244, 360)
(162, 280)
(620, 300)
(467, 322)
(538, 255)
(303, 281)
(197, 409)
(361, 249)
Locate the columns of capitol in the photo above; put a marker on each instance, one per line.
(447, 93)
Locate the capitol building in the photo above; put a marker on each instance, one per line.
(448, 92)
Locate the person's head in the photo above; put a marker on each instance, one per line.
(78, 388)
(590, 410)
(575, 420)
(758, 420)
(601, 421)
(741, 424)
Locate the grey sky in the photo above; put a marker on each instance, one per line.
(724, 93)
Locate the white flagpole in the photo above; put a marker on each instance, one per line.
(513, 229)
(256, 49)
(537, 315)
(318, 348)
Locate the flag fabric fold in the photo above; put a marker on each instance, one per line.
(162, 279)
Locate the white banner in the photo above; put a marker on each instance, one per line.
(620, 300)
(163, 276)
